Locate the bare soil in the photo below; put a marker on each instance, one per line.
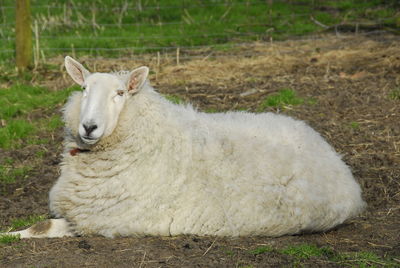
(347, 84)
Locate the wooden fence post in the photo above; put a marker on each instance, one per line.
(23, 35)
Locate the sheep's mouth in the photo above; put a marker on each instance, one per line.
(89, 140)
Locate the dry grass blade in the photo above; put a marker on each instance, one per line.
(209, 248)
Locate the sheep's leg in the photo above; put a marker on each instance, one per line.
(45, 229)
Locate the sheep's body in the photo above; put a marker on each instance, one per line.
(168, 170)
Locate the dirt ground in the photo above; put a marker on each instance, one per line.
(349, 85)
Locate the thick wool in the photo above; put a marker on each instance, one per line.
(168, 169)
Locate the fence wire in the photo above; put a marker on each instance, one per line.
(54, 24)
(139, 7)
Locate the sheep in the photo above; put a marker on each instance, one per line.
(135, 164)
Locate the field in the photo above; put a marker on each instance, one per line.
(219, 55)
(347, 88)
(120, 28)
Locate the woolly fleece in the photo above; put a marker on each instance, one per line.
(168, 169)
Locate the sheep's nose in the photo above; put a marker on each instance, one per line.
(89, 128)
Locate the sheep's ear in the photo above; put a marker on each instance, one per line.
(76, 70)
(136, 79)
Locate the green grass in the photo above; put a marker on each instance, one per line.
(15, 130)
(306, 251)
(40, 154)
(174, 99)
(55, 122)
(211, 111)
(10, 174)
(21, 113)
(261, 250)
(9, 239)
(283, 98)
(104, 28)
(8, 161)
(22, 99)
(229, 252)
(26, 221)
(395, 94)
(19, 224)
(354, 125)
(18, 103)
(363, 259)
(303, 252)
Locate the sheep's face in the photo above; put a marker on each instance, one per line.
(103, 98)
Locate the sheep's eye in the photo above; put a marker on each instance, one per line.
(120, 92)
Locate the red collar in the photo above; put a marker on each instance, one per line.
(74, 151)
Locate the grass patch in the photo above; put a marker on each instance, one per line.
(307, 251)
(55, 122)
(174, 99)
(9, 239)
(211, 111)
(19, 224)
(10, 174)
(354, 125)
(304, 252)
(8, 161)
(40, 154)
(26, 222)
(312, 101)
(395, 94)
(117, 28)
(21, 100)
(15, 130)
(261, 250)
(363, 259)
(283, 98)
(18, 104)
(229, 252)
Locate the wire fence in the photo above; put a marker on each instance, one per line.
(130, 29)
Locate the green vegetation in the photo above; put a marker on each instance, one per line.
(174, 99)
(55, 122)
(395, 94)
(21, 122)
(261, 250)
(363, 259)
(17, 104)
(23, 99)
(304, 252)
(307, 251)
(15, 129)
(211, 111)
(112, 28)
(26, 222)
(40, 154)
(9, 239)
(10, 174)
(284, 97)
(312, 101)
(19, 224)
(229, 252)
(354, 125)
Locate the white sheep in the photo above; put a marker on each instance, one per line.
(136, 164)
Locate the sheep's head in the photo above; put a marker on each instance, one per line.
(103, 98)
